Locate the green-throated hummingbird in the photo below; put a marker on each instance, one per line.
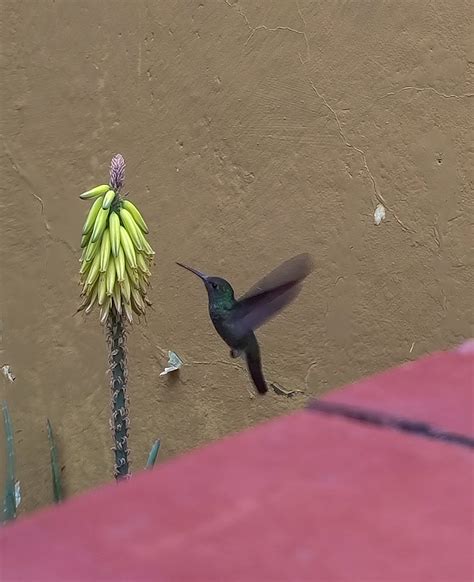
(236, 319)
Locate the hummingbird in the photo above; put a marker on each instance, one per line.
(235, 320)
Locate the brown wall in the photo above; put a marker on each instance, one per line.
(252, 131)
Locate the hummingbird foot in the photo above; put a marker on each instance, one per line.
(235, 353)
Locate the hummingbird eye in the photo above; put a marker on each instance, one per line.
(214, 285)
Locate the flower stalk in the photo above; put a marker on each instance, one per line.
(115, 272)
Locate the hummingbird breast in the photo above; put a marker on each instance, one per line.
(226, 328)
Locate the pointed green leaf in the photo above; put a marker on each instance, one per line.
(153, 454)
(9, 500)
(55, 470)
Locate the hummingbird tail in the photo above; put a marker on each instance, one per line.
(254, 365)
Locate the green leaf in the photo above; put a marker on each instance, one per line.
(55, 471)
(9, 500)
(153, 454)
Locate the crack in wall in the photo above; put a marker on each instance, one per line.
(300, 13)
(361, 153)
(24, 176)
(312, 365)
(255, 29)
(423, 89)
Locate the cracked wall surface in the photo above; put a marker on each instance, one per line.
(252, 131)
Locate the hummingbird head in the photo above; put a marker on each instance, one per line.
(219, 291)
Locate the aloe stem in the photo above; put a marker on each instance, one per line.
(9, 501)
(117, 340)
(55, 471)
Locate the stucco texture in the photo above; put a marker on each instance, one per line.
(252, 131)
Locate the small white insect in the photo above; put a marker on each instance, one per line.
(8, 373)
(174, 363)
(379, 214)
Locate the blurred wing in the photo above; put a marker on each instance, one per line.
(271, 294)
(293, 271)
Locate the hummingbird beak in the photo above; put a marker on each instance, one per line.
(202, 276)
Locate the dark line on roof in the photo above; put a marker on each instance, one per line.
(382, 419)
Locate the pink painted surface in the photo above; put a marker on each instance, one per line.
(307, 497)
(438, 389)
